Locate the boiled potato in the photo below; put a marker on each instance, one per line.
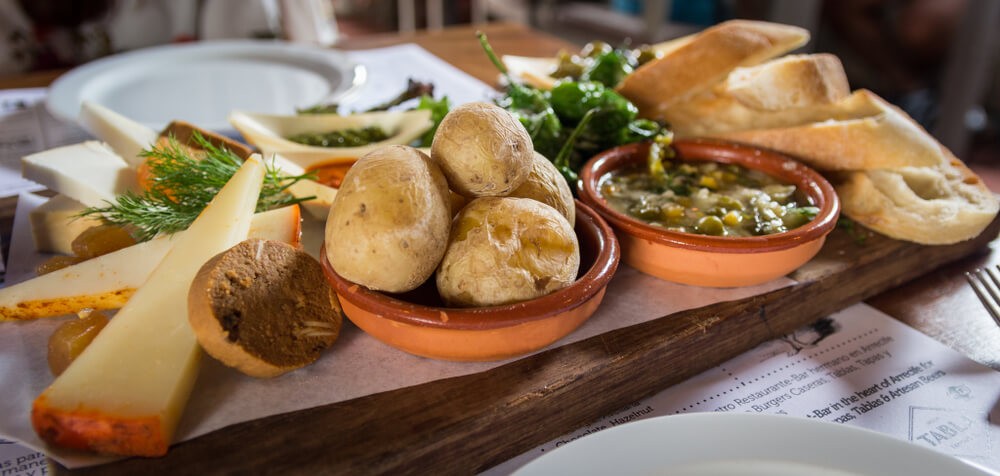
(483, 150)
(388, 227)
(505, 249)
(548, 186)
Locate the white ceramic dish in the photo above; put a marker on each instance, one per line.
(743, 444)
(269, 132)
(203, 82)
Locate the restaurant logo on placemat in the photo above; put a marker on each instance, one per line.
(956, 432)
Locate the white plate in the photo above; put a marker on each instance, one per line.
(742, 444)
(203, 82)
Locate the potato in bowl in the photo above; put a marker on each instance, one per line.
(504, 250)
(420, 323)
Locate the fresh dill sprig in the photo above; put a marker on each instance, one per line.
(181, 183)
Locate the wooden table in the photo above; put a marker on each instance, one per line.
(467, 424)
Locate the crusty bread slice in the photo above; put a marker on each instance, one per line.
(706, 59)
(787, 91)
(533, 71)
(887, 139)
(935, 205)
(789, 82)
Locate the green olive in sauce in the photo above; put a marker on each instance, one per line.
(708, 198)
(342, 138)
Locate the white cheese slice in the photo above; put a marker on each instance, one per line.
(319, 206)
(56, 223)
(126, 137)
(90, 172)
(107, 282)
(125, 393)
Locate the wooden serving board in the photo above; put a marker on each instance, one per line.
(468, 424)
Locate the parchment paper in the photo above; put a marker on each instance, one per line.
(357, 365)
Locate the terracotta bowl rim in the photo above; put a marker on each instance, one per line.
(585, 288)
(804, 177)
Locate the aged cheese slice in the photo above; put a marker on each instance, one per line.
(125, 393)
(125, 136)
(90, 172)
(55, 224)
(107, 282)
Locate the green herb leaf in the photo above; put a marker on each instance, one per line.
(182, 185)
(438, 109)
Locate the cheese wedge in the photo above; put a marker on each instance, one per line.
(126, 137)
(55, 224)
(90, 172)
(125, 393)
(107, 282)
(319, 206)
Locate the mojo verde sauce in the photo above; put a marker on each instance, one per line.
(708, 198)
(342, 138)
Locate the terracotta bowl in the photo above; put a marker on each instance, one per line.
(713, 260)
(417, 322)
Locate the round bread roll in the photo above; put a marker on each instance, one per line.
(548, 186)
(388, 227)
(507, 249)
(264, 308)
(483, 150)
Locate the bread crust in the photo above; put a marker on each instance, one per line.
(264, 308)
(883, 140)
(789, 82)
(716, 112)
(936, 205)
(696, 65)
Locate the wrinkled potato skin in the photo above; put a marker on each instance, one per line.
(388, 227)
(548, 186)
(504, 250)
(483, 150)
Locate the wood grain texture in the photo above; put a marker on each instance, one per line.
(467, 424)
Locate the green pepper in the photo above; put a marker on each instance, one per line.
(562, 160)
(545, 129)
(572, 99)
(613, 114)
(567, 66)
(639, 130)
(595, 48)
(531, 106)
(608, 68)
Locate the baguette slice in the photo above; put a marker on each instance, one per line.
(935, 205)
(788, 91)
(707, 59)
(885, 140)
(789, 82)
